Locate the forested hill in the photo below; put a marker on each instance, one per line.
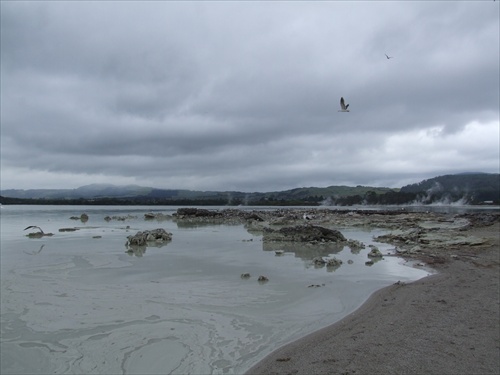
(470, 188)
(477, 187)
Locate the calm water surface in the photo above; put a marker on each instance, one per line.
(77, 303)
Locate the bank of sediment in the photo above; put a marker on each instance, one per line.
(447, 323)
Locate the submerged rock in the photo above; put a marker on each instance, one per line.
(39, 235)
(120, 218)
(83, 217)
(262, 279)
(156, 216)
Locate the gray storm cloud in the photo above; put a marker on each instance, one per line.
(244, 95)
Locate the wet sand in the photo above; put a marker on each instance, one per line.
(446, 323)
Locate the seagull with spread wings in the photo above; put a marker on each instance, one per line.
(343, 106)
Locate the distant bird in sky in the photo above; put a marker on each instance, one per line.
(343, 106)
(388, 57)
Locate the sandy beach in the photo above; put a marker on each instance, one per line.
(447, 323)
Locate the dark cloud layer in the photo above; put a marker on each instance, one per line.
(244, 95)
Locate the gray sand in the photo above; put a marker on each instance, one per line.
(443, 324)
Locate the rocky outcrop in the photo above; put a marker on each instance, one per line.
(156, 236)
(303, 233)
(195, 212)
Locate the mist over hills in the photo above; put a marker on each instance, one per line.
(466, 188)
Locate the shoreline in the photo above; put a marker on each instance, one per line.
(445, 323)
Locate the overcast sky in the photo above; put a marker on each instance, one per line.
(245, 95)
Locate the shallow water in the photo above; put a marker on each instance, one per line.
(73, 303)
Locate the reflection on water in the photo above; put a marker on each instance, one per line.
(304, 251)
(78, 302)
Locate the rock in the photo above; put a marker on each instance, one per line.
(414, 250)
(369, 263)
(350, 261)
(319, 261)
(119, 218)
(333, 262)
(84, 217)
(143, 238)
(254, 216)
(263, 279)
(303, 233)
(375, 253)
(196, 212)
(38, 235)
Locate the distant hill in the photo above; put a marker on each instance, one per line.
(468, 188)
(86, 192)
(112, 191)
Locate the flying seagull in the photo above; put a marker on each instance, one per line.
(343, 106)
(388, 57)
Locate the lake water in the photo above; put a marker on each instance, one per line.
(77, 303)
